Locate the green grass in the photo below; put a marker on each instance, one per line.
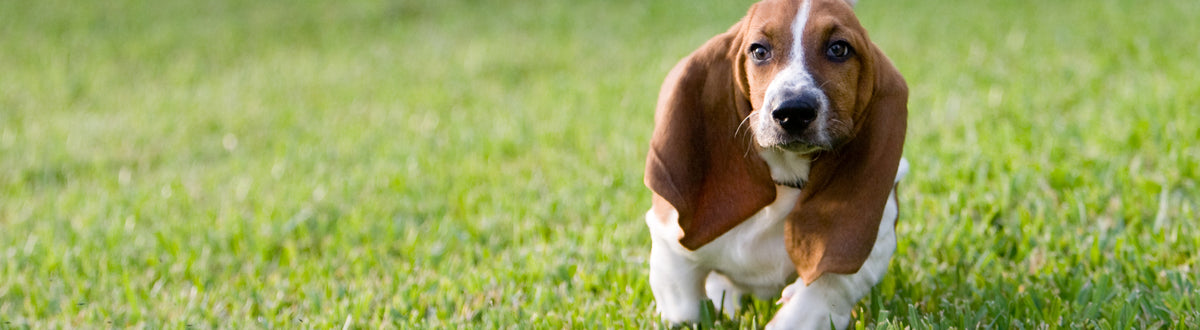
(479, 163)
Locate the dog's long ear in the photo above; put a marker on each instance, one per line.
(835, 224)
(701, 161)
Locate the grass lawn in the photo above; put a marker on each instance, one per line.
(478, 164)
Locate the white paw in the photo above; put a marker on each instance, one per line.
(725, 295)
(800, 314)
(816, 306)
(788, 292)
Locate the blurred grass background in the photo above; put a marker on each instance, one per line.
(478, 164)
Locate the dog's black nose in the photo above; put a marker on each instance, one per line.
(796, 114)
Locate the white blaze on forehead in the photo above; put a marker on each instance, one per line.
(795, 75)
(797, 59)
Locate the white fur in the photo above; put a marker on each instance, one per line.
(752, 259)
(787, 166)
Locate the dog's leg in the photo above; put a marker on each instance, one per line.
(677, 283)
(830, 299)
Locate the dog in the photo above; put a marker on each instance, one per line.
(773, 165)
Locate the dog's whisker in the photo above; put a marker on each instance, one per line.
(750, 141)
(743, 123)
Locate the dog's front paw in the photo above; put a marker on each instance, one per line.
(725, 295)
(805, 307)
(787, 294)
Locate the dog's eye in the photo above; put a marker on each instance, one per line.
(759, 52)
(839, 51)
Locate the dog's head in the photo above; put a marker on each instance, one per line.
(807, 68)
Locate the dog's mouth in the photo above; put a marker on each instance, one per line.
(798, 184)
(799, 147)
(809, 142)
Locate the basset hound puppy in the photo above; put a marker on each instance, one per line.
(776, 151)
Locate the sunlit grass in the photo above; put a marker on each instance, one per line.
(453, 163)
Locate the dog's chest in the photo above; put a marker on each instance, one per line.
(753, 253)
